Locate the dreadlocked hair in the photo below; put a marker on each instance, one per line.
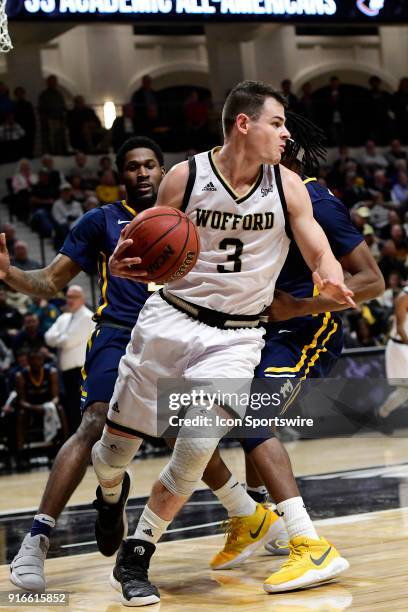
(307, 145)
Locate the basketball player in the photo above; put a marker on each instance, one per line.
(306, 346)
(207, 324)
(396, 358)
(89, 245)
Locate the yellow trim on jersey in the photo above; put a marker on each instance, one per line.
(323, 349)
(128, 208)
(89, 344)
(309, 180)
(307, 347)
(104, 278)
(222, 178)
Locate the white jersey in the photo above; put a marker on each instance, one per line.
(394, 333)
(243, 239)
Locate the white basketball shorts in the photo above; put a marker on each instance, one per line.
(396, 360)
(166, 343)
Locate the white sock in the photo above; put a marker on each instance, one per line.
(150, 526)
(46, 519)
(393, 401)
(235, 499)
(296, 518)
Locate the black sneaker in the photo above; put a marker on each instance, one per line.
(111, 523)
(130, 574)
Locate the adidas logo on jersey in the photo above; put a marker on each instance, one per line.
(209, 187)
(115, 407)
(148, 532)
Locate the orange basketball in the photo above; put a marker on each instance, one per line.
(166, 240)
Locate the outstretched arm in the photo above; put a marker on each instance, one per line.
(366, 282)
(312, 242)
(45, 282)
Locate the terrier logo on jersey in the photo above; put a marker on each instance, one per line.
(266, 190)
(228, 221)
(209, 187)
(139, 550)
(286, 389)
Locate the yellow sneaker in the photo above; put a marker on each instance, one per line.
(245, 534)
(310, 562)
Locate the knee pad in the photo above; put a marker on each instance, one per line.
(190, 457)
(113, 453)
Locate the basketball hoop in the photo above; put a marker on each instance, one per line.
(5, 41)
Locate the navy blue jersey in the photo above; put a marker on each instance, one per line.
(295, 277)
(90, 244)
(38, 391)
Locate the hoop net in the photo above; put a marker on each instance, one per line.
(5, 41)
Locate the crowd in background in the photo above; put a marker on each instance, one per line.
(373, 185)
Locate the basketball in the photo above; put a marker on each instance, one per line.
(166, 240)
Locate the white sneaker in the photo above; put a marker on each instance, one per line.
(27, 567)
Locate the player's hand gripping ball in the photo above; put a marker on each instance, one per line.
(166, 241)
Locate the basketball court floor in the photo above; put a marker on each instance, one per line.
(356, 490)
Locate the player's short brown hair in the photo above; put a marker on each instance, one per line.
(247, 97)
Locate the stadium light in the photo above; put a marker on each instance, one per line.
(109, 113)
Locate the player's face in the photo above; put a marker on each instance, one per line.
(267, 135)
(142, 175)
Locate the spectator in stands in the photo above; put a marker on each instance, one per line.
(38, 393)
(395, 152)
(105, 165)
(107, 190)
(85, 129)
(22, 183)
(30, 337)
(78, 193)
(400, 240)
(6, 105)
(10, 318)
(389, 263)
(92, 202)
(393, 287)
(47, 312)
(51, 106)
(354, 190)
(81, 168)
(196, 120)
(400, 107)
(65, 213)
(371, 241)
(6, 357)
(146, 107)
(12, 140)
(24, 115)
(360, 216)
(307, 104)
(123, 127)
(9, 231)
(399, 192)
(69, 334)
(18, 300)
(333, 111)
(41, 202)
(379, 217)
(372, 160)
(286, 88)
(21, 259)
(379, 183)
(364, 334)
(378, 111)
(55, 176)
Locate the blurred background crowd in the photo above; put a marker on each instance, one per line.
(47, 193)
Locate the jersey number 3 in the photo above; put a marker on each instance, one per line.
(235, 257)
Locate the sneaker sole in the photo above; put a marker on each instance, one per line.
(14, 579)
(134, 602)
(311, 577)
(272, 532)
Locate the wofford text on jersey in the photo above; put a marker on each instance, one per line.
(227, 221)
